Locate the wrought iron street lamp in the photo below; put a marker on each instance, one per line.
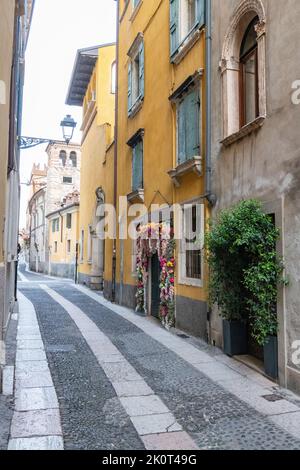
(68, 125)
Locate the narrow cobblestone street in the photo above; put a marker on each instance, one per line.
(92, 375)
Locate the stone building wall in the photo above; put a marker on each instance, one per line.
(264, 162)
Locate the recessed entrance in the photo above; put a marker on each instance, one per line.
(155, 289)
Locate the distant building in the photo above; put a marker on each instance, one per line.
(36, 226)
(50, 187)
(63, 237)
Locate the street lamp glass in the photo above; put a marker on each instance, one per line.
(68, 125)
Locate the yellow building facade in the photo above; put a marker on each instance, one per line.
(96, 94)
(63, 238)
(161, 148)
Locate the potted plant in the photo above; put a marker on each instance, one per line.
(244, 275)
(262, 281)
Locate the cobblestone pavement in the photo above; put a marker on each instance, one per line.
(122, 382)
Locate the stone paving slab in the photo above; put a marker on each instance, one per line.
(28, 336)
(33, 379)
(28, 399)
(31, 355)
(28, 330)
(112, 359)
(253, 394)
(155, 424)
(37, 443)
(217, 372)
(288, 421)
(30, 344)
(32, 366)
(169, 441)
(8, 380)
(35, 423)
(120, 371)
(145, 405)
(132, 388)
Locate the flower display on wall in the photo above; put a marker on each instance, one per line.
(157, 238)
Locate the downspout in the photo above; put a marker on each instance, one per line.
(211, 198)
(114, 255)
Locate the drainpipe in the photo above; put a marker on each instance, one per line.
(114, 256)
(211, 198)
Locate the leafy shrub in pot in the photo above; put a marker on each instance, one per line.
(244, 268)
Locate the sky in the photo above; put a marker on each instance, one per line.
(58, 29)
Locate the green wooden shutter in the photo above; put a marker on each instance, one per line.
(181, 139)
(129, 102)
(137, 166)
(174, 26)
(192, 125)
(141, 70)
(201, 12)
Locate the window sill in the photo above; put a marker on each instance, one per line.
(136, 196)
(190, 282)
(186, 45)
(136, 10)
(194, 165)
(136, 107)
(244, 131)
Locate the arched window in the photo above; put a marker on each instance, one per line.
(113, 77)
(243, 72)
(73, 158)
(249, 97)
(63, 157)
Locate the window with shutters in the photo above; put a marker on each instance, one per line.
(188, 127)
(249, 97)
(137, 166)
(186, 17)
(136, 75)
(192, 242)
(113, 77)
(81, 246)
(55, 225)
(69, 221)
